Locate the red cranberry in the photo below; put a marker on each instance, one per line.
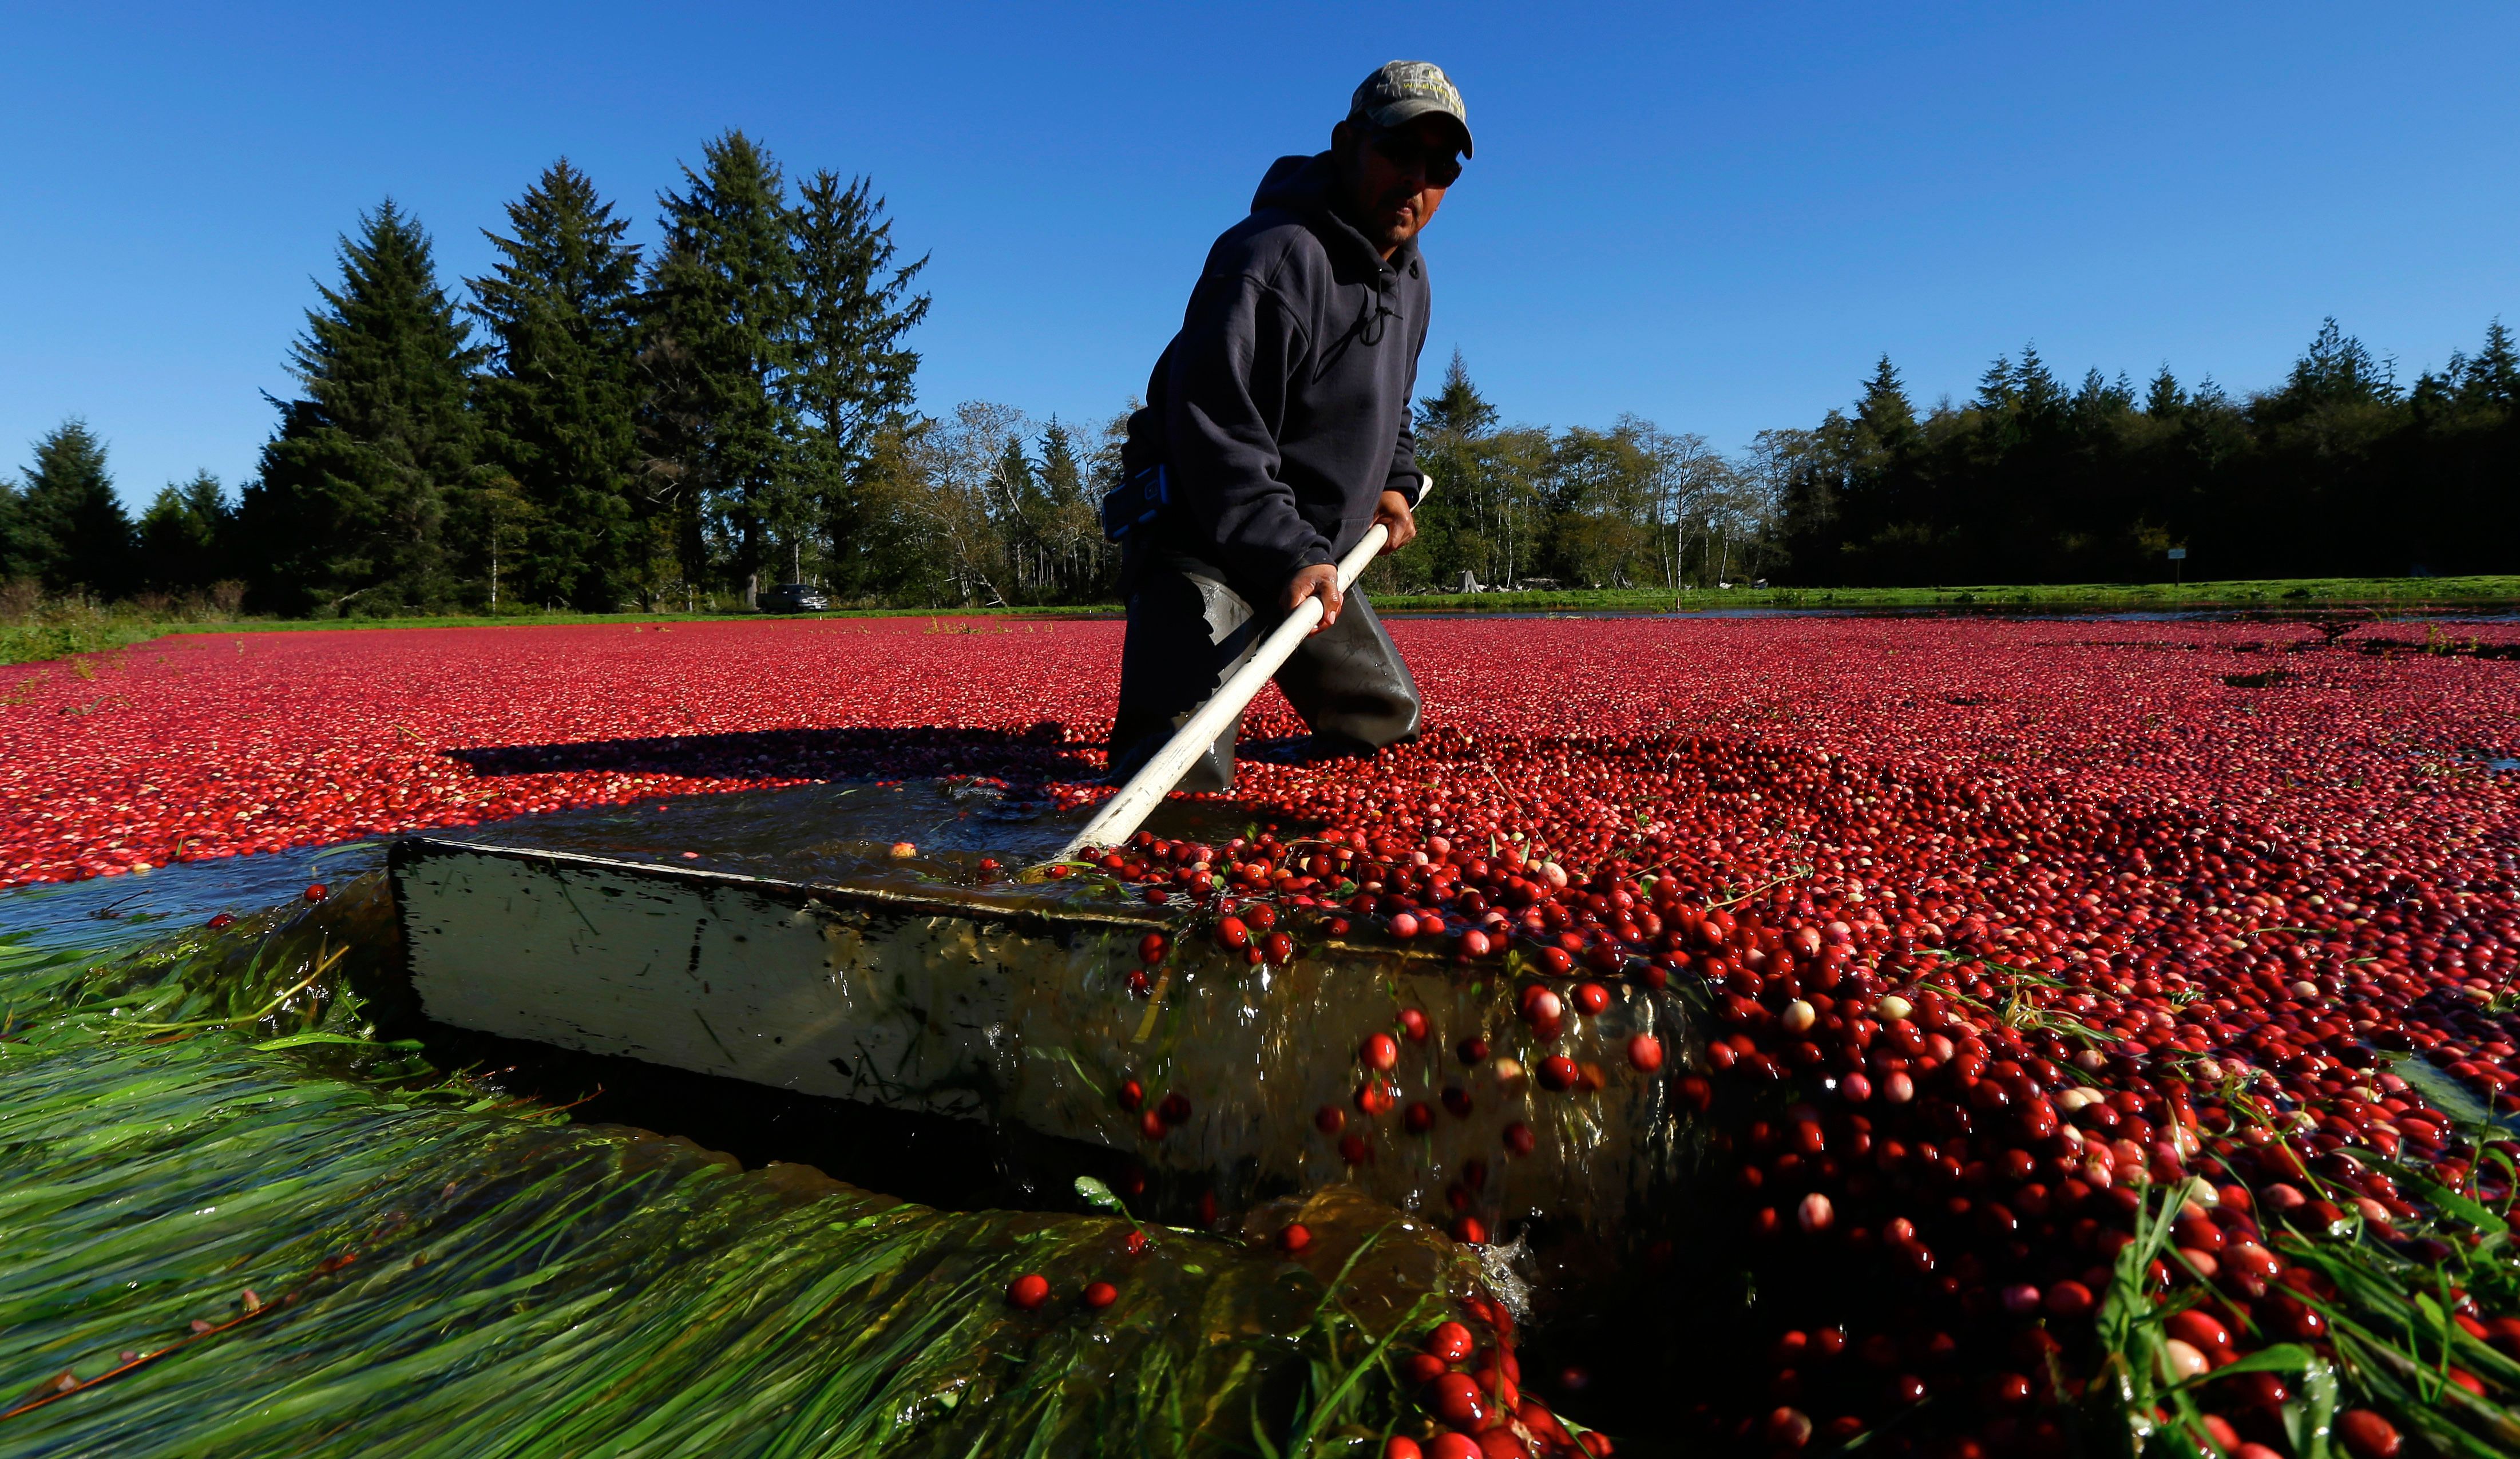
(2366, 1435)
(1457, 1400)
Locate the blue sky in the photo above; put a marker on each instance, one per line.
(1713, 216)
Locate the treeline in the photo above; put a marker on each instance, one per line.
(1630, 506)
(591, 425)
(597, 425)
(2341, 471)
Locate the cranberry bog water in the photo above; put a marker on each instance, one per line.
(1948, 1036)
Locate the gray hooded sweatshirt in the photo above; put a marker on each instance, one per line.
(1281, 410)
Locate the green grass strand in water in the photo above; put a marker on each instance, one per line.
(525, 1287)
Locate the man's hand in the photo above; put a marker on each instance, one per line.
(1393, 513)
(1320, 580)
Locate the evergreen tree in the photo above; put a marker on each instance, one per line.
(559, 405)
(1996, 393)
(184, 534)
(12, 565)
(349, 509)
(720, 311)
(1883, 411)
(848, 370)
(2492, 378)
(1456, 408)
(2164, 400)
(2035, 388)
(70, 530)
(1072, 517)
(1062, 476)
(2336, 369)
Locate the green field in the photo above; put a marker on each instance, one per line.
(61, 636)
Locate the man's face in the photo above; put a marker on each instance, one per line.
(1392, 177)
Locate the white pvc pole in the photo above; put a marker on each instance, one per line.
(1119, 817)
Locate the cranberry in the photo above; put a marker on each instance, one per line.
(2200, 1328)
(1457, 1400)
(2365, 1435)
(1028, 1292)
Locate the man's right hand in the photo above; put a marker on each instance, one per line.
(1320, 580)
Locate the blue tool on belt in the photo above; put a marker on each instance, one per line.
(1139, 499)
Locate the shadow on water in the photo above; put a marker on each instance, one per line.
(873, 753)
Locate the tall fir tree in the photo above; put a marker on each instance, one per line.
(2338, 369)
(2492, 378)
(2164, 399)
(560, 403)
(1061, 474)
(719, 309)
(849, 370)
(1884, 413)
(1457, 408)
(185, 536)
(69, 529)
(349, 509)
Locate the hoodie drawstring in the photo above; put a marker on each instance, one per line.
(1369, 327)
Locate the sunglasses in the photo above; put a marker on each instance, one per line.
(1441, 165)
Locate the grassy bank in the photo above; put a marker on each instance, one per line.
(28, 642)
(2407, 594)
(61, 634)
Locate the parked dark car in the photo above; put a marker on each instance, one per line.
(795, 597)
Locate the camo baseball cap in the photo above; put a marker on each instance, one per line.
(1402, 90)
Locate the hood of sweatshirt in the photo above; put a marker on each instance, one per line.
(1306, 187)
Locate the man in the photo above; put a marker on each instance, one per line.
(1280, 417)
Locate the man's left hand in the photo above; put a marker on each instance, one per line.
(1393, 511)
